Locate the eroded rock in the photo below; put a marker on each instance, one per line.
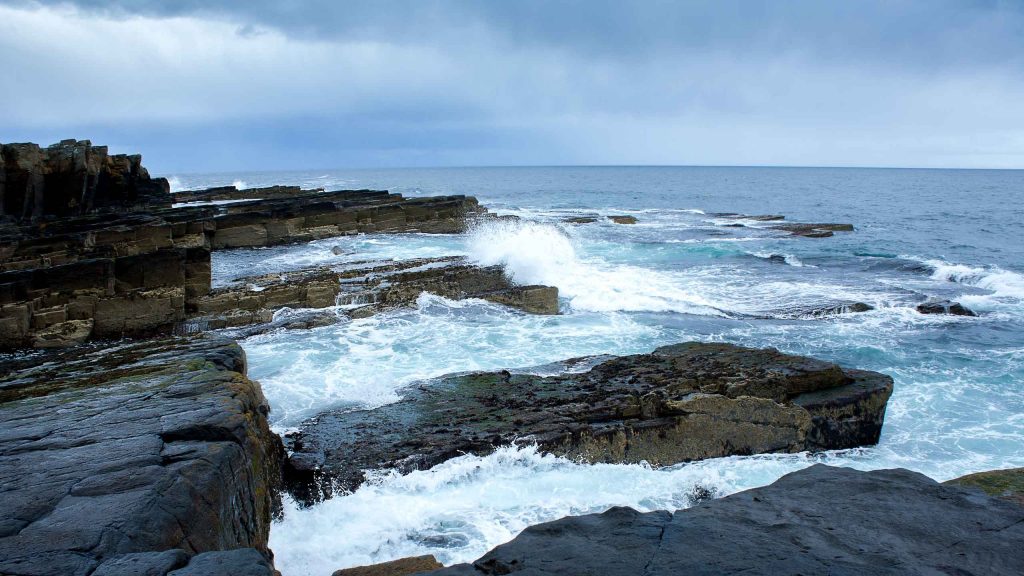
(684, 402)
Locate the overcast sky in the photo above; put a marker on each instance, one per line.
(209, 86)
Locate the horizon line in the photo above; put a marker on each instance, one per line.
(492, 166)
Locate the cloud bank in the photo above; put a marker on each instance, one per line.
(200, 86)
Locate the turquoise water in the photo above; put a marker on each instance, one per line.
(679, 274)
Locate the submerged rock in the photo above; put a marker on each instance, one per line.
(623, 219)
(945, 307)
(813, 230)
(138, 448)
(820, 520)
(683, 402)
(580, 220)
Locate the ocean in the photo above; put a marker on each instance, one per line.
(680, 273)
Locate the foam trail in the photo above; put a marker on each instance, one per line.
(536, 253)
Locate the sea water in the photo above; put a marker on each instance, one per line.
(681, 273)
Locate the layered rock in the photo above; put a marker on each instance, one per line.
(684, 402)
(362, 288)
(101, 277)
(144, 454)
(91, 249)
(73, 178)
(820, 520)
(316, 215)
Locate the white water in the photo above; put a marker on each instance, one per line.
(956, 408)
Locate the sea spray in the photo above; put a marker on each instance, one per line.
(465, 506)
(540, 253)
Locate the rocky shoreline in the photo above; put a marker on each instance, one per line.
(132, 441)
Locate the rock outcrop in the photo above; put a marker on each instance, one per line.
(90, 247)
(820, 520)
(316, 214)
(362, 288)
(1006, 484)
(74, 178)
(139, 455)
(683, 402)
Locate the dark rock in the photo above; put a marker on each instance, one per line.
(822, 310)
(1005, 484)
(820, 520)
(143, 564)
(623, 219)
(73, 178)
(400, 567)
(945, 307)
(580, 220)
(239, 562)
(813, 230)
(139, 447)
(684, 402)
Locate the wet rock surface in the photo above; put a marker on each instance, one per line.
(159, 450)
(820, 520)
(683, 402)
(945, 307)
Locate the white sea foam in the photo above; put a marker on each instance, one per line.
(366, 362)
(787, 258)
(240, 184)
(175, 183)
(465, 506)
(537, 253)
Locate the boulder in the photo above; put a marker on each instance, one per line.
(683, 402)
(140, 447)
(820, 520)
(944, 307)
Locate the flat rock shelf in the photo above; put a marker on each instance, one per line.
(684, 402)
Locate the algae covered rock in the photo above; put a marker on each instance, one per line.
(683, 402)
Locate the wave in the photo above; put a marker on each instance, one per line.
(1004, 284)
(175, 183)
(539, 253)
(785, 258)
(461, 508)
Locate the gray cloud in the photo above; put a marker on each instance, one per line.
(429, 82)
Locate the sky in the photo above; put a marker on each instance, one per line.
(201, 86)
